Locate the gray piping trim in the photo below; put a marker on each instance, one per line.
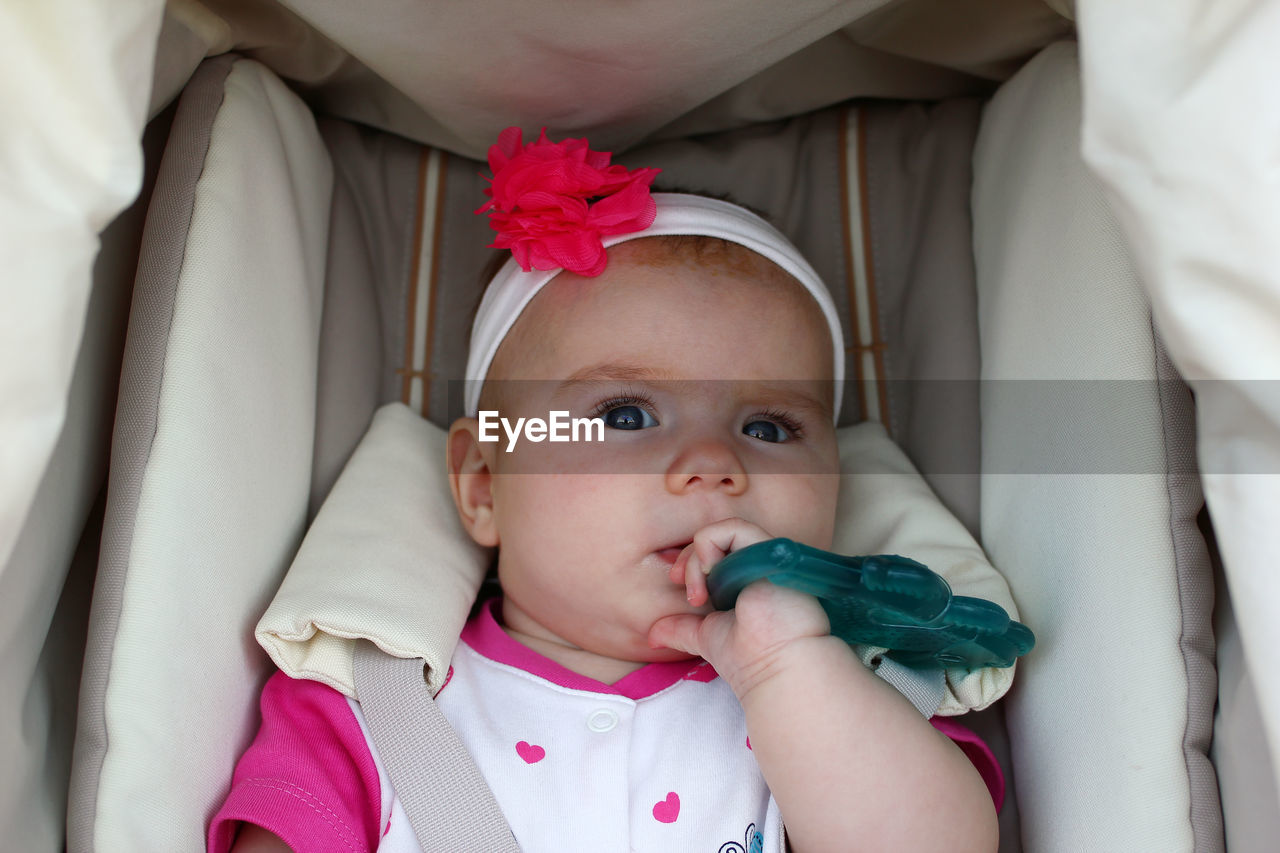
(142, 376)
(1195, 594)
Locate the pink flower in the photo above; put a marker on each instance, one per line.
(551, 203)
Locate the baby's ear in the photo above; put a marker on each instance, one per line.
(471, 481)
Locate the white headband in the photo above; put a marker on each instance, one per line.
(678, 214)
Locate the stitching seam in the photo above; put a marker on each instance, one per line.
(315, 804)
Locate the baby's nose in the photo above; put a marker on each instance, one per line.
(709, 465)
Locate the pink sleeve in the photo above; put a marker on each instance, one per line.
(978, 752)
(308, 776)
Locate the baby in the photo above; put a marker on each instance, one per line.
(605, 703)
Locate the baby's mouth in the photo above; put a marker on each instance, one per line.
(671, 553)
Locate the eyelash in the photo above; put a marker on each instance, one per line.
(630, 397)
(793, 427)
(626, 398)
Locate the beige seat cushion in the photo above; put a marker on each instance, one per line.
(1089, 497)
(211, 461)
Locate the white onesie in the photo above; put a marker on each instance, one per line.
(657, 761)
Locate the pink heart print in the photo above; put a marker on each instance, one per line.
(531, 753)
(667, 810)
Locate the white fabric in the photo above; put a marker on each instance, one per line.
(453, 74)
(618, 69)
(1247, 785)
(224, 496)
(74, 102)
(44, 617)
(590, 782)
(361, 570)
(72, 105)
(1098, 720)
(678, 214)
(1182, 124)
(386, 559)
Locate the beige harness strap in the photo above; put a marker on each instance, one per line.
(449, 804)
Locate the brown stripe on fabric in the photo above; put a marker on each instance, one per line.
(437, 234)
(406, 372)
(850, 283)
(877, 342)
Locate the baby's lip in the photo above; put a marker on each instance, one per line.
(671, 552)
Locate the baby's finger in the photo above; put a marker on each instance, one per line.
(685, 571)
(713, 542)
(679, 632)
(694, 579)
(677, 570)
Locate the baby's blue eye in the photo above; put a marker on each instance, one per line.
(766, 431)
(629, 417)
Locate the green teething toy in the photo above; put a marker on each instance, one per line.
(883, 600)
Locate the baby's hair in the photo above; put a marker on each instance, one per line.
(701, 249)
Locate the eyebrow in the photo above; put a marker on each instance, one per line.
(778, 393)
(613, 372)
(790, 398)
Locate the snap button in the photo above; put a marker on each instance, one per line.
(602, 721)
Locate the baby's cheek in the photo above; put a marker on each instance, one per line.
(824, 517)
(578, 507)
(806, 511)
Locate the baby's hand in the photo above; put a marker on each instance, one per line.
(743, 644)
(801, 690)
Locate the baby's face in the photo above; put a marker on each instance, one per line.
(714, 379)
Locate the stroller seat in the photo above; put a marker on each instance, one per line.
(1007, 251)
(298, 273)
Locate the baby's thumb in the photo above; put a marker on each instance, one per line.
(679, 632)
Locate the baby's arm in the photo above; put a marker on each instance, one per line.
(255, 839)
(847, 758)
(308, 777)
